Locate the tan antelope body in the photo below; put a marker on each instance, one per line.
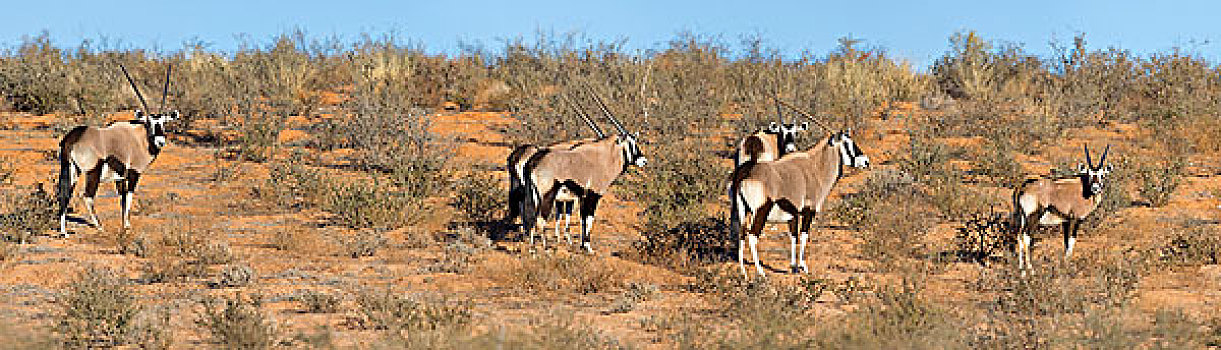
(1057, 201)
(120, 153)
(517, 181)
(517, 186)
(586, 171)
(791, 189)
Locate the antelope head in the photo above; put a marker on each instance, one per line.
(154, 124)
(1094, 176)
(849, 153)
(627, 141)
(787, 134)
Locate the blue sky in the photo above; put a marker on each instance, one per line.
(915, 30)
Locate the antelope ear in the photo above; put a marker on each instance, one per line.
(173, 115)
(773, 127)
(804, 126)
(1107, 169)
(1081, 168)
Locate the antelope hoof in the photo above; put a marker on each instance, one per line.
(801, 268)
(588, 249)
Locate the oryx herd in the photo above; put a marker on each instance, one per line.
(772, 181)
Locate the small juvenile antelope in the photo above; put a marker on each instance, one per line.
(1062, 201)
(119, 152)
(797, 185)
(517, 163)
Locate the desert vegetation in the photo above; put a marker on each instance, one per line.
(321, 192)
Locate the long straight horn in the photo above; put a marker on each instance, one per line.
(803, 113)
(133, 87)
(606, 111)
(1088, 162)
(1102, 161)
(166, 90)
(576, 108)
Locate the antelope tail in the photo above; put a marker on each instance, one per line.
(1017, 219)
(66, 182)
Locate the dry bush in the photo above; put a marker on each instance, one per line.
(563, 273)
(258, 131)
(996, 161)
(478, 197)
(319, 302)
(357, 203)
(194, 243)
(677, 186)
(981, 235)
(361, 243)
(99, 309)
(894, 214)
(167, 267)
(635, 294)
(686, 246)
(389, 310)
(26, 213)
(235, 275)
(679, 232)
(1193, 243)
(1158, 179)
(134, 243)
(238, 323)
(461, 249)
(900, 318)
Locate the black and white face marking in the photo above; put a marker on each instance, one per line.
(786, 135)
(848, 151)
(631, 151)
(155, 126)
(1095, 177)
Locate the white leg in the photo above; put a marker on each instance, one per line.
(1021, 251)
(93, 216)
(793, 252)
(1026, 240)
(742, 257)
(558, 213)
(567, 217)
(587, 224)
(1068, 250)
(63, 224)
(801, 255)
(754, 253)
(126, 199)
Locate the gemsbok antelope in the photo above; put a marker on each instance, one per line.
(797, 185)
(1063, 201)
(517, 163)
(586, 170)
(770, 144)
(119, 152)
